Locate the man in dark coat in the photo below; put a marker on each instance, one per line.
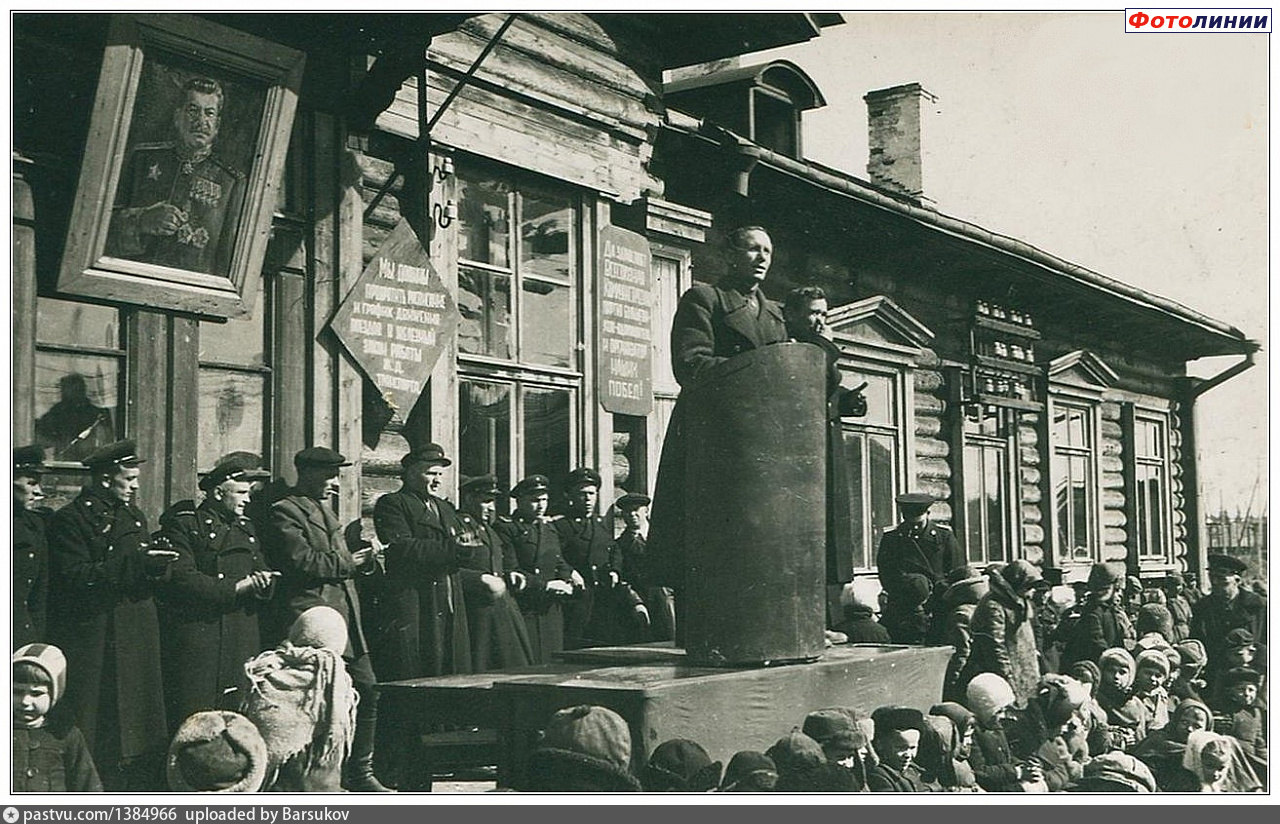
(711, 325)
(307, 544)
(499, 639)
(543, 579)
(428, 621)
(637, 569)
(216, 588)
(103, 574)
(1102, 623)
(30, 548)
(1228, 606)
(913, 561)
(603, 610)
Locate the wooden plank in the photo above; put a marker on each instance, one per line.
(184, 411)
(146, 418)
(442, 389)
(954, 427)
(597, 424)
(23, 317)
(350, 392)
(289, 373)
(324, 285)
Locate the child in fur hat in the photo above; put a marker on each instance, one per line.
(583, 749)
(680, 766)
(1126, 714)
(749, 772)
(217, 752)
(1150, 673)
(49, 752)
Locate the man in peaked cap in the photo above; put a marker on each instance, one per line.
(30, 547)
(637, 568)
(913, 561)
(1228, 606)
(426, 545)
(217, 588)
(605, 608)
(542, 579)
(103, 574)
(318, 567)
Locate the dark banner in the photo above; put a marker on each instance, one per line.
(624, 302)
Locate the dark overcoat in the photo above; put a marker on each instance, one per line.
(536, 547)
(1098, 628)
(305, 542)
(600, 614)
(103, 616)
(499, 639)
(657, 599)
(208, 632)
(711, 325)
(927, 550)
(30, 577)
(425, 623)
(1213, 616)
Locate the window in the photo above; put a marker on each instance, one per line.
(988, 485)
(1150, 452)
(776, 122)
(80, 363)
(871, 448)
(519, 277)
(1073, 480)
(234, 384)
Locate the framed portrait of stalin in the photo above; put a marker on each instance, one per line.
(184, 157)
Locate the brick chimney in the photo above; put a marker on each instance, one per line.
(897, 119)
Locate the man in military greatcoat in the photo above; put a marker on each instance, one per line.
(913, 561)
(602, 609)
(545, 579)
(1228, 606)
(30, 547)
(305, 542)
(499, 639)
(103, 575)
(216, 589)
(178, 203)
(427, 633)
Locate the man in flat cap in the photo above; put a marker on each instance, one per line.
(604, 609)
(543, 579)
(499, 639)
(30, 547)
(637, 568)
(103, 574)
(1228, 606)
(913, 561)
(425, 547)
(216, 590)
(318, 568)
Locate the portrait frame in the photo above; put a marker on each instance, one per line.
(237, 202)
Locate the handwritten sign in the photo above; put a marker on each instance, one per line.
(397, 319)
(625, 308)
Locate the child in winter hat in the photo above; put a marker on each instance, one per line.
(680, 766)
(584, 749)
(991, 699)
(49, 752)
(1126, 714)
(217, 751)
(1151, 673)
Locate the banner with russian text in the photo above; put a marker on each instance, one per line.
(624, 304)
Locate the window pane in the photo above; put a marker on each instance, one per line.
(880, 397)
(239, 340)
(1149, 443)
(548, 432)
(1063, 502)
(77, 397)
(1070, 426)
(484, 432)
(546, 236)
(232, 409)
(863, 544)
(881, 464)
(1060, 431)
(1076, 426)
(1151, 510)
(484, 304)
(484, 221)
(1080, 515)
(995, 490)
(547, 324)
(973, 479)
(77, 324)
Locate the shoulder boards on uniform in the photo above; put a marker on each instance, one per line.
(151, 147)
(236, 173)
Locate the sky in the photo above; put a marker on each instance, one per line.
(1140, 156)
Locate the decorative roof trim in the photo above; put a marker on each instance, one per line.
(882, 308)
(1089, 363)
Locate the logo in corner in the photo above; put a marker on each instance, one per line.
(10, 815)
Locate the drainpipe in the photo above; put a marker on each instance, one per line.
(1198, 552)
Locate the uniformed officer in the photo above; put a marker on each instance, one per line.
(306, 543)
(428, 634)
(542, 579)
(913, 561)
(178, 204)
(597, 615)
(499, 639)
(30, 547)
(658, 600)
(103, 574)
(216, 589)
(1228, 606)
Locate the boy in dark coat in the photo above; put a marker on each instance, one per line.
(49, 753)
(1102, 623)
(896, 742)
(1240, 717)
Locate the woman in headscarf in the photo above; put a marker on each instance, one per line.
(1218, 764)
(1164, 749)
(1004, 640)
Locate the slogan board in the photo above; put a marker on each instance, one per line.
(624, 304)
(397, 319)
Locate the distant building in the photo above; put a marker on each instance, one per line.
(1244, 536)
